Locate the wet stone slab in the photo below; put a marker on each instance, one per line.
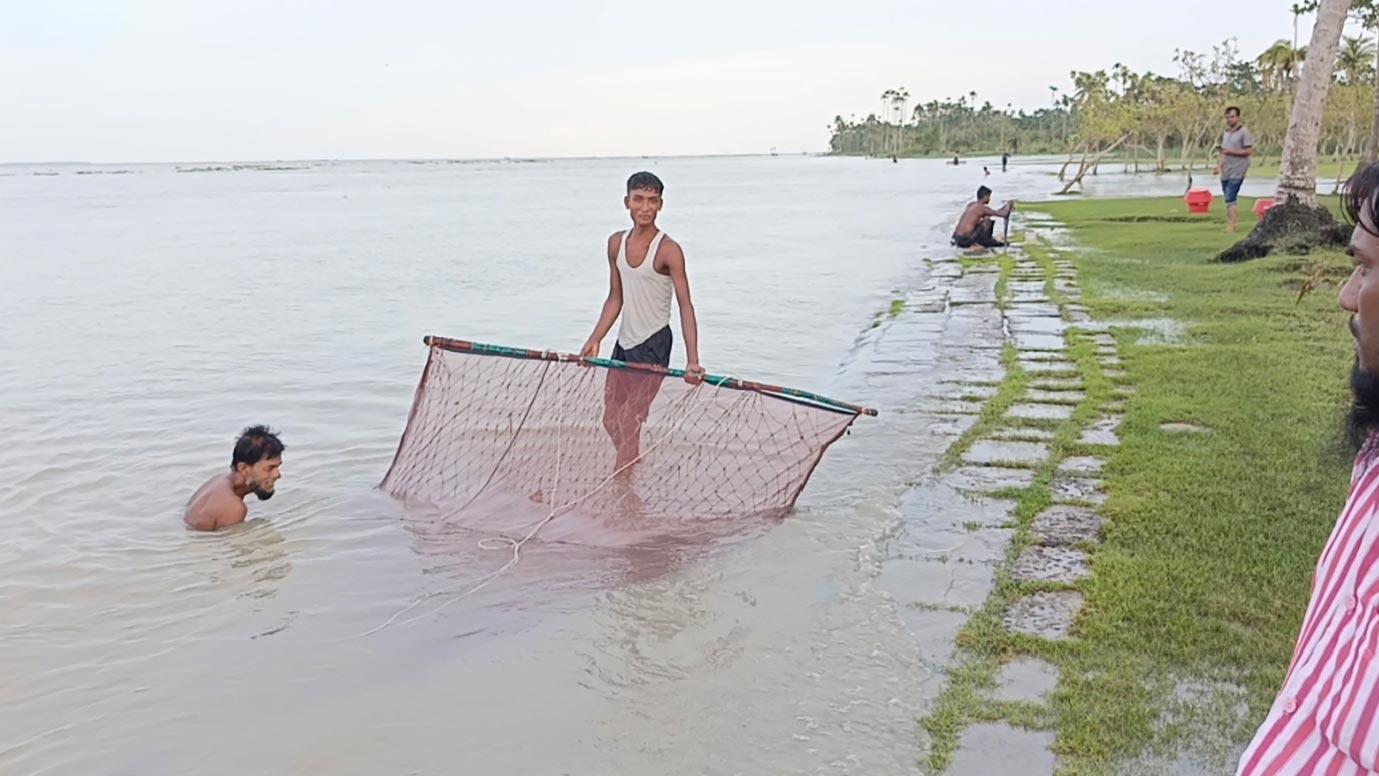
(1028, 341)
(992, 748)
(960, 392)
(1043, 615)
(1082, 464)
(937, 583)
(1041, 355)
(1057, 384)
(975, 375)
(1023, 433)
(988, 479)
(1051, 564)
(933, 632)
(1055, 397)
(949, 407)
(970, 296)
(1033, 310)
(937, 507)
(1102, 432)
(984, 452)
(1064, 526)
(1041, 325)
(1040, 412)
(1026, 680)
(1080, 490)
(1051, 368)
(1086, 324)
(1183, 428)
(947, 426)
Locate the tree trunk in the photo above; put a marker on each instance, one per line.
(1298, 176)
(1160, 164)
(1063, 171)
(1086, 165)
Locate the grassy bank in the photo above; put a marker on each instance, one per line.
(1200, 582)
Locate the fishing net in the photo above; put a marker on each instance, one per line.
(505, 436)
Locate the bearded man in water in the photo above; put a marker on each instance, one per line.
(255, 466)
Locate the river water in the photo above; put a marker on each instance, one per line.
(151, 311)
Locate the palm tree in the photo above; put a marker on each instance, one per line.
(1280, 62)
(1298, 176)
(1355, 60)
(898, 99)
(887, 108)
(1298, 9)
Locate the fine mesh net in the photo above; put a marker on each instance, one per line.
(503, 436)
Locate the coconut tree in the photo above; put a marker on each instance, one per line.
(1355, 60)
(1298, 213)
(1298, 177)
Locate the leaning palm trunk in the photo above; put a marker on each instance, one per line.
(1298, 176)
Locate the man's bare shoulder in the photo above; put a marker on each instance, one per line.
(669, 255)
(214, 506)
(670, 248)
(614, 242)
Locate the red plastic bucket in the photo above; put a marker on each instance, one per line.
(1198, 200)
(1262, 206)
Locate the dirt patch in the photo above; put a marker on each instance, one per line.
(1290, 227)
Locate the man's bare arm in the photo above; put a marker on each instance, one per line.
(689, 325)
(612, 305)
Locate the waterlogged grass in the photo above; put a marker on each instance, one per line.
(1200, 582)
(1211, 539)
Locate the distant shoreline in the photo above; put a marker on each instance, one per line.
(415, 159)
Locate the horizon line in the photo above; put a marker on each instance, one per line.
(451, 159)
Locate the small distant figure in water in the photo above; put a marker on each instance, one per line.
(954, 162)
(978, 221)
(893, 159)
(255, 466)
(645, 268)
(985, 171)
(1005, 160)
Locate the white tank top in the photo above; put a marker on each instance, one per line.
(645, 295)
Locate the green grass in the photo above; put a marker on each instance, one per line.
(1263, 169)
(1211, 539)
(1203, 573)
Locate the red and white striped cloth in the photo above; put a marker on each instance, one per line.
(1325, 719)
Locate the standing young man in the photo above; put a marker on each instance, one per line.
(1237, 144)
(645, 268)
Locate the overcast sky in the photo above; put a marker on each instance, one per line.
(247, 80)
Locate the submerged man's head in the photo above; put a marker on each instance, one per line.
(644, 197)
(983, 194)
(257, 460)
(1360, 297)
